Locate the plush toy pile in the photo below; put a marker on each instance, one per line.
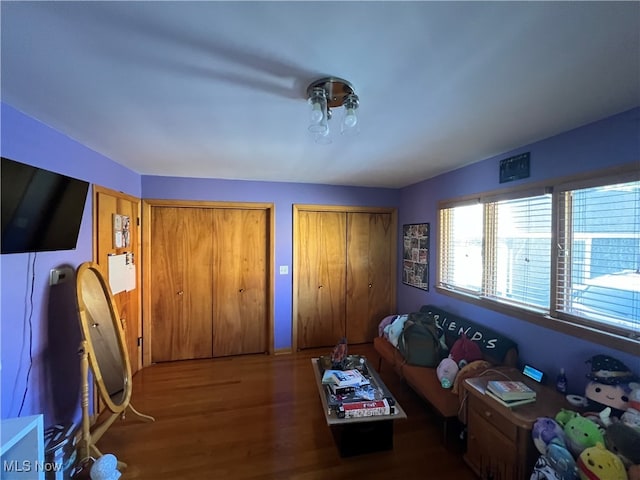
(600, 444)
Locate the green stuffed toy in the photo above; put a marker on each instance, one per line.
(582, 433)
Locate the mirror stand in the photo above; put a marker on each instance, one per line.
(87, 446)
(103, 350)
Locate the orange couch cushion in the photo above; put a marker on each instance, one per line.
(425, 382)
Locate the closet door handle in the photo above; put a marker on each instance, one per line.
(371, 285)
(181, 292)
(320, 286)
(241, 290)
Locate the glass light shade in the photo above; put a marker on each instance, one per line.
(349, 125)
(318, 118)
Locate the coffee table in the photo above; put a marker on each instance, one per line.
(358, 435)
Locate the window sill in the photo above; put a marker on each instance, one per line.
(584, 332)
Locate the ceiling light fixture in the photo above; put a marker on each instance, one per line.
(325, 94)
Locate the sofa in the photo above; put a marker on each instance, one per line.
(496, 350)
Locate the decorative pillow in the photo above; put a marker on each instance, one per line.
(494, 345)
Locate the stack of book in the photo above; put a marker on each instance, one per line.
(510, 393)
(366, 409)
(343, 381)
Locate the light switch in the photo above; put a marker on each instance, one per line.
(284, 269)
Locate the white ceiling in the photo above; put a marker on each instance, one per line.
(217, 89)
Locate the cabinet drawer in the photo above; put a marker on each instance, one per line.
(487, 412)
(490, 453)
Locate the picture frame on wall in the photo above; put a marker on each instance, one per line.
(415, 255)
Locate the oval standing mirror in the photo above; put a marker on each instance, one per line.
(104, 351)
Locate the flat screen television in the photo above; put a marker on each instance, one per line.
(41, 210)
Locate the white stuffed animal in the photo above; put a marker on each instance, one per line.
(105, 468)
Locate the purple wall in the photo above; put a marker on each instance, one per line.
(283, 196)
(54, 380)
(609, 142)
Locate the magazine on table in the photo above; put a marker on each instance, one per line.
(344, 378)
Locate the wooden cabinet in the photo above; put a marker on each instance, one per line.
(209, 281)
(499, 443)
(344, 273)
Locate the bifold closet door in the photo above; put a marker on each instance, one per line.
(240, 296)
(370, 274)
(182, 283)
(320, 271)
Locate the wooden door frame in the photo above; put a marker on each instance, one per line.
(97, 189)
(297, 208)
(147, 205)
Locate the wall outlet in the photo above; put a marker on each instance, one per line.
(60, 275)
(284, 269)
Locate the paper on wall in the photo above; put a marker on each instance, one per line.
(122, 273)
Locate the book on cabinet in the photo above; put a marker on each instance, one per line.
(510, 390)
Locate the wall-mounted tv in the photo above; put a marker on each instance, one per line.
(41, 210)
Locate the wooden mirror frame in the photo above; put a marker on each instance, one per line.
(92, 434)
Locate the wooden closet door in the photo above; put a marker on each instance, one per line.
(321, 275)
(240, 285)
(181, 283)
(370, 276)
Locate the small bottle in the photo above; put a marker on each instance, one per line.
(561, 382)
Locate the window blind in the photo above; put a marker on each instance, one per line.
(599, 255)
(461, 235)
(523, 251)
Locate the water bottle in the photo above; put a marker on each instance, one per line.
(561, 382)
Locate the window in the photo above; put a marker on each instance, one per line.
(599, 255)
(567, 252)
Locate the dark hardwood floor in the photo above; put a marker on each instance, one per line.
(260, 417)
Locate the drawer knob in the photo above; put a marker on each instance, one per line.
(487, 414)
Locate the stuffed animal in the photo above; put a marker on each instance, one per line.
(546, 431)
(624, 441)
(105, 468)
(598, 463)
(564, 415)
(609, 384)
(465, 351)
(562, 461)
(631, 418)
(446, 372)
(634, 396)
(582, 433)
(543, 470)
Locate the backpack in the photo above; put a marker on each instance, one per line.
(419, 341)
